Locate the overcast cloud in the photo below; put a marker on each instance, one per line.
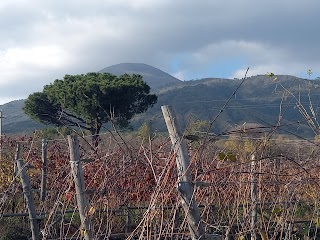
(44, 40)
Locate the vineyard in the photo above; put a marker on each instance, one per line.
(249, 183)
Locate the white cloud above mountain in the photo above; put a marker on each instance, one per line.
(43, 40)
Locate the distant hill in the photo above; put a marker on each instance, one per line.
(154, 77)
(15, 120)
(260, 100)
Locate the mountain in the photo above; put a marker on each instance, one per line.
(15, 120)
(154, 77)
(259, 99)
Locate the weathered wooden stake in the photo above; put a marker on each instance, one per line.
(82, 202)
(128, 213)
(254, 202)
(185, 186)
(15, 175)
(29, 199)
(44, 170)
(16, 157)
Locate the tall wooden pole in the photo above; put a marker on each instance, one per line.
(29, 200)
(44, 170)
(16, 157)
(254, 198)
(185, 186)
(82, 202)
(15, 175)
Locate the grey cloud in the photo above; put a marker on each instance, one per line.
(95, 34)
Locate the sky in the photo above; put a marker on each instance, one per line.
(43, 40)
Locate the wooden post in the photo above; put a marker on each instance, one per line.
(15, 175)
(185, 186)
(127, 212)
(82, 202)
(16, 157)
(253, 224)
(44, 170)
(29, 200)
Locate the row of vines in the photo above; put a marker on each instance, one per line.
(131, 187)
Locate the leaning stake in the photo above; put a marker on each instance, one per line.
(185, 186)
(44, 170)
(29, 199)
(77, 172)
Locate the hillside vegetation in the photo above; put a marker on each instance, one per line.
(260, 99)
